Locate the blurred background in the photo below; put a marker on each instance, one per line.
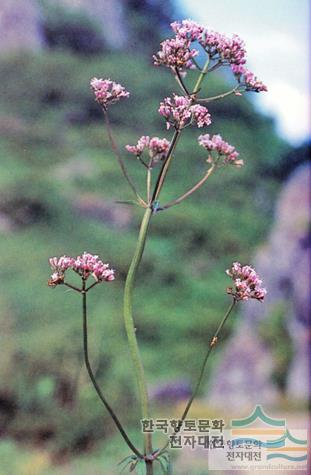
(59, 187)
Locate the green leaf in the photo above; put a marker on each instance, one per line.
(163, 464)
(129, 457)
(128, 202)
(133, 465)
(141, 468)
(125, 466)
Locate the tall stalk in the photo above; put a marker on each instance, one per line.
(130, 281)
(130, 326)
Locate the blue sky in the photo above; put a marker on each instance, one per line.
(277, 41)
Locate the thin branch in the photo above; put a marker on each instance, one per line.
(72, 287)
(164, 169)
(93, 379)
(180, 81)
(91, 286)
(148, 184)
(196, 64)
(220, 96)
(216, 66)
(212, 344)
(192, 190)
(120, 160)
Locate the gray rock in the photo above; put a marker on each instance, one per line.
(19, 25)
(108, 13)
(244, 372)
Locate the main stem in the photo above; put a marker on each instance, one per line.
(129, 286)
(93, 379)
(130, 326)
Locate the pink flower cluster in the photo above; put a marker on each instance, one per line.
(224, 49)
(175, 53)
(218, 46)
(187, 29)
(221, 49)
(179, 112)
(107, 92)
(248, 79)
(217, 144)
(85, 265)
(157, 148)
(246, 282)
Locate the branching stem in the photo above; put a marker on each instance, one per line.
(120, 161)
(93, 379)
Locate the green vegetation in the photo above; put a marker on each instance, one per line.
(59, 183)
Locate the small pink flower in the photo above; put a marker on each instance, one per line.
(224, 49)
(138, 149)
(179, 112)
(88, 264)
(252, 83)
(85, 265)
(59, 265)
(187, 29)
(247, 284)
(175, 53)
(247, 79)
(107, 92)
(157, 148)
(215, 143)
(201, 115)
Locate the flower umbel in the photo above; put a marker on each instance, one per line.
(157, 148)
(215, 143)
(252, 83)
(187, 29)
(88, 264)
(200, 115)
(85, 265)
(175, 53)
(179, 112)
(107, 92)
(247, 284)
(222, 50)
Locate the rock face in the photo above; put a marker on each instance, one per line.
(19, 25)
(244, 372)
(109, 13)
(20, 22)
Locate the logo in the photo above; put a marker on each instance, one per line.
(260, 442)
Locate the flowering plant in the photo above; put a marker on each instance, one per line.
(191, 44)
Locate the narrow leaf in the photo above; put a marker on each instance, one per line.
(163, 465)
(141, 468)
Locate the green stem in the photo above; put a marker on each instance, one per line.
(181, 82)
(130, 326)
(149, 468)
(115, 150)
(129, 286)
(93, 379)
(201, 77)
(165, 166)
(192, 190)
(220, 96)
(212, 344)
